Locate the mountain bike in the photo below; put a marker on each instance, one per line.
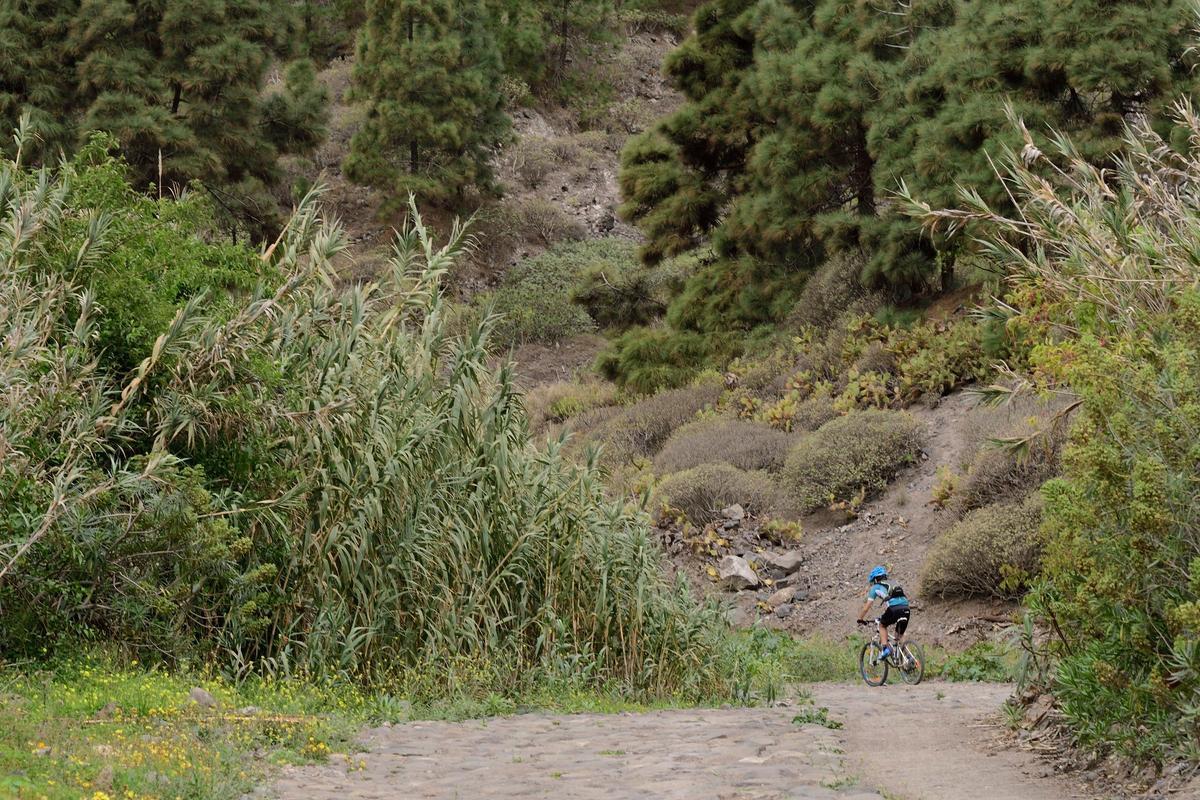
(908, 659)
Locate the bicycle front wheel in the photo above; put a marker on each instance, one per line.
(912, 668)
(874, 670)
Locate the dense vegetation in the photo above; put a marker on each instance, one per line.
(295, 476)
(1103, 292)
(181, 86)
(211, 455)
(803, 119)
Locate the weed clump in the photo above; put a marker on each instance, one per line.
(852, 456)
(740, 443)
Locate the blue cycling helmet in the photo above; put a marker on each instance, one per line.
(877, 574)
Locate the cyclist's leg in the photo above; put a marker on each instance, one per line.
(901, 627)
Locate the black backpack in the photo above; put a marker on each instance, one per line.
(896, 592)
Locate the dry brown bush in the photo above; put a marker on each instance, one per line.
(997, 471)
(701, 492)
(991, 552)
(740, 443)
(642, 428)
(855, 454)
(876, 358)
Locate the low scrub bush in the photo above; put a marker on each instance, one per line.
(991, 552)
(701, 492)
(831, 292)
(743, 444)
(643, 427)
(558, 402)
(535, 299)
(850, 456)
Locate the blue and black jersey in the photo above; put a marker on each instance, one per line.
(880, 591)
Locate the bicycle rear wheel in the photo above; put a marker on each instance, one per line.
(874, 670)
(913, 663)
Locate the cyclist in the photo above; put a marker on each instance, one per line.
(896, 613)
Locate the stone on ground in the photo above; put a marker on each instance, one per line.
(737, 573)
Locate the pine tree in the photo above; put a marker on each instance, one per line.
(179, 84)
(677, 179)
(1084, 68)
(428, 72)
(35, 77)
(815, 86)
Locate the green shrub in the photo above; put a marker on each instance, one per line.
(855, 454)
(740, 443)
(647, 360)
(316, 479)
(982, 662)
(620, 293)
(701, 492)
(535, 297)
(991, 552)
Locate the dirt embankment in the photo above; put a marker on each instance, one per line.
(896, 529)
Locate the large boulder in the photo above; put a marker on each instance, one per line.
(736, 573)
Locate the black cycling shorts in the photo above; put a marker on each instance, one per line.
(898, 616)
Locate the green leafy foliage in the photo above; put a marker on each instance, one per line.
(567, 290)
(429, 73)
(802, 119)
(647, 360)
(852, 456)
(184, 95)
(306, 478)
(1103, 296)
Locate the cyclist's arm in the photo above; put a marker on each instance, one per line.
(862, 615)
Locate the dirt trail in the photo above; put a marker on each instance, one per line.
(749, 754)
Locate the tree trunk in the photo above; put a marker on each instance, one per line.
(413, 162)
(864, 181)
(175, 100)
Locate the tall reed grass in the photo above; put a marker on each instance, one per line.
(322, 479)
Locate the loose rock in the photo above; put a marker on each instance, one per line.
(202, 698)
(737, 573)
(782, 597)
(734, 512)
(784, 562)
